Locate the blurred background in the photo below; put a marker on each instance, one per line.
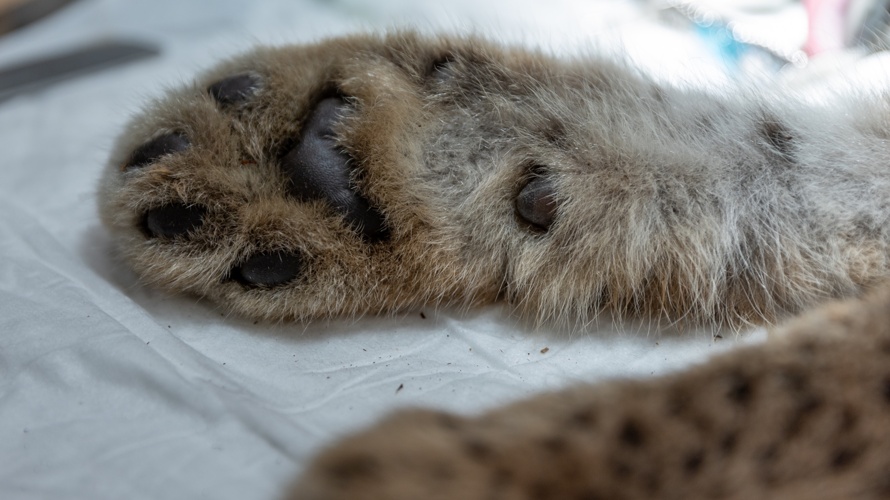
(740, 37)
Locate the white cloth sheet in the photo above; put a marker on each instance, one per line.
(109, 390)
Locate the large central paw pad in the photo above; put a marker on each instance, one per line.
(319, 169)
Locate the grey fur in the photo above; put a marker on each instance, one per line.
(674, 204)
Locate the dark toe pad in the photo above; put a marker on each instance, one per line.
(269, 269)
(320, 170)
(174, 219)
(536, 203)
(234, 89)
(160, 146)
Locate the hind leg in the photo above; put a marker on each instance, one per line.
(802, 417)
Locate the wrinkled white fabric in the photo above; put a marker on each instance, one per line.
(109, 390)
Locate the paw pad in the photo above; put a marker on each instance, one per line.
(536, 203)
(173, 220)
(318, 169)
(268, 269)
(154, 149)
(234, 89)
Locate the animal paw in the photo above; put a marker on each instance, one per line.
(342, 178)
(378, 174)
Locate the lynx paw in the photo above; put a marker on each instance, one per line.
(288, 184)
(343, 178)
(376, 174)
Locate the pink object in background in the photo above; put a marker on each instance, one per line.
(825, 25)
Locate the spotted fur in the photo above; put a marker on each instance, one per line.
(803, 417)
